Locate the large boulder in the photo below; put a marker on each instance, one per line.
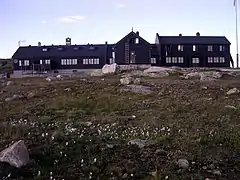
(110, 68)
(157, 69)
(16, 155)
(204, 76)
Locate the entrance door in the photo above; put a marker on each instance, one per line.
(132, 57)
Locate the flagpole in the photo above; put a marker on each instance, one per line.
(236, 12)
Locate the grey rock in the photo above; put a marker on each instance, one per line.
(67, 89)
(233, 91)
(126, 80)
(31, 95)
(139, 142)
(9, 83)
(16, 155)
(110, 146)
(183, 163)
(14, 97)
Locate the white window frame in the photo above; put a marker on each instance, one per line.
(68, 61)
(137, 41)
(195, 60)
(26, 63)
(210, 59)
(47, 61)
(194, 48)
(221, 48)
(174, 60)
(180, 60)
(222, 59)
(85, 61)
(153, 60)
(168, 60)
(216, 60)
(44, 49)
(74, 61)
(96, 61)
(180, 47)
(210, 48)
(41, 61)
(63, 62)
(20, 63)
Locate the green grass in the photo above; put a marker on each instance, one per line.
(181, 120)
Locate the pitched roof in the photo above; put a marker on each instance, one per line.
(132, 34)
(193, 39)
(60, 51)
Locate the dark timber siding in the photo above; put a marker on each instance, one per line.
(142, 50)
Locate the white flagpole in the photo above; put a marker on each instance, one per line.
(236, 12)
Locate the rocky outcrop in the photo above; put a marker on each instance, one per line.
(16, 155)
(110, 68)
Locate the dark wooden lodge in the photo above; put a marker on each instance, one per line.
(183, 51)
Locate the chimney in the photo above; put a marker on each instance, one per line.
(68, 41)
(106, 42)
(137, 33)
(180, 34)
(39, 44)
(198, 34)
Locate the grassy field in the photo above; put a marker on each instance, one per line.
(80, 128)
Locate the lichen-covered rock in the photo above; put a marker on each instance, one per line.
(126, 80)
(110, 68)
(16, 155)
(183, 163)
(233, 91)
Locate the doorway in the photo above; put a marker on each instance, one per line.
(132, 57)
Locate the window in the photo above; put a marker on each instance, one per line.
(97, 61)
(68, 61)
(63, 62)
(26, 62)
(44, 49)
(180, 47)
(47, 61)
(221, 48)
(20, 63)
(195, 60)
(40, 62)
(194, 48)
(210, 48)
(215, 59)
(180, 59)
(168, 60)
(91, 61)
(137, 41)
(174, 60)
(153, 61)
(222, 60)
(85, 61)
(210, 60)
(74, 61)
